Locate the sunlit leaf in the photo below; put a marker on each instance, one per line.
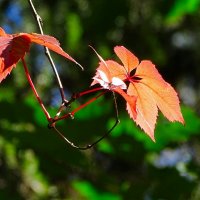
(13, 47)
(147, 90)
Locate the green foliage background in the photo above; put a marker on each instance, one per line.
(36, 164)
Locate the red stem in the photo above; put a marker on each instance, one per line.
(78, 95)
(80, 107)
(89, 91)
(35, 91)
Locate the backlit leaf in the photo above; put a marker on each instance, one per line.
(13, 47)
(146, 92)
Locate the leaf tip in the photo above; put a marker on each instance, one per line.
(2, 32)
(152, 138)
(82, 68)
(100, 58)
(181, 120)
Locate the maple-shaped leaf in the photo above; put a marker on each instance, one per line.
(152, 92)
(109, 77)
(13, 47)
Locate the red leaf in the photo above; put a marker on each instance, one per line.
(13, 47)
(152, 91)
(129, 60)
(148, 87)
(49, 42)
(106, 72)
(164, 94)
(131, 102)
(2, 32)
(11, 50)
(146, 108)
(111, 69)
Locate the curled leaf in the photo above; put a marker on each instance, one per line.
(13, 47)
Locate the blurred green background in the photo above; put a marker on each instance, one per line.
(36, 164)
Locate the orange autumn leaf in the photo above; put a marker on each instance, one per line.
(109, 76)
(13, 47)
(144, 83)
(152, 92)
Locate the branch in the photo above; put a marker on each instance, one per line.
(53, 125)
(47, 53)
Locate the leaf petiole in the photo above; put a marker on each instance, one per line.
(71, 114)
(34, 90)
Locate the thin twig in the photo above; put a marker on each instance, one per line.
(117, 121)
(47, 53)
(72, 113)
(78, 95)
